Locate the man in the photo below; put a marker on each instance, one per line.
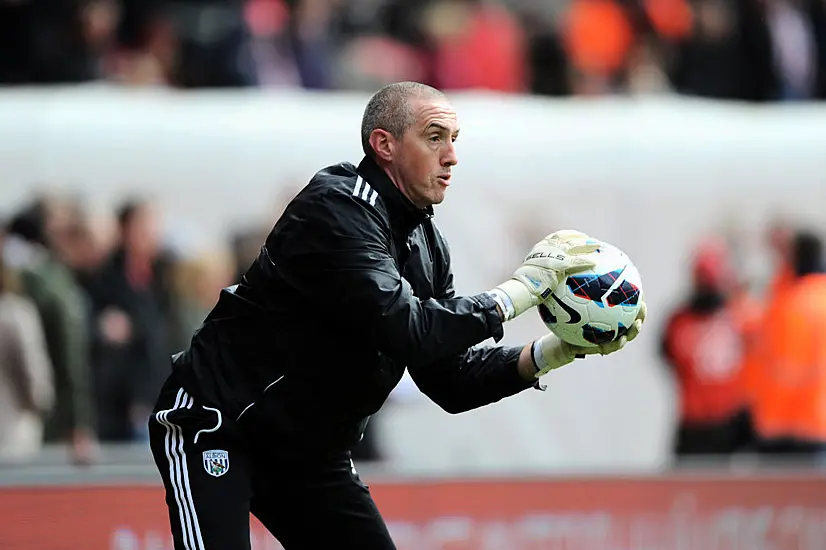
(352, 286)
(62, 308)
(26, 380)
(790, 386)
(706, 345)
(132, 311)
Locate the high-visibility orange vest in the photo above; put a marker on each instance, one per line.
(783, 280)
(789, 390)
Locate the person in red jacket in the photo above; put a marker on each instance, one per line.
(705, 344)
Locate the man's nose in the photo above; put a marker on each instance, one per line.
(449, 157)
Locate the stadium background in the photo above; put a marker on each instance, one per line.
(654, 125)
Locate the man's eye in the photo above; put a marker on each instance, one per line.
(435, 138)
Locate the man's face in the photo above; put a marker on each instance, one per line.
(141, 233)
(425, 154)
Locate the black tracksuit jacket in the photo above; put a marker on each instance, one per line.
(352, 286)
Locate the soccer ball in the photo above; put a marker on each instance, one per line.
(595, 306)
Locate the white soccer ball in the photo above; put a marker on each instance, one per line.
(598, 305)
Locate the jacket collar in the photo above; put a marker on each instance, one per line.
(404, 214)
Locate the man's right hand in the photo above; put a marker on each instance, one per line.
(550, 352)
(549, 262)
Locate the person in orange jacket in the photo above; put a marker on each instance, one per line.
(790, 382)
(704, 344)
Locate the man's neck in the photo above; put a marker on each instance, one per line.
(398, 182)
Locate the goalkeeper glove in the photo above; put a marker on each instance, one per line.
(550, 352)
(550, 261)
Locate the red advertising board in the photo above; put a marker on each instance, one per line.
(678, 513)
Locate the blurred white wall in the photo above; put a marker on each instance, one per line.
(650, 176)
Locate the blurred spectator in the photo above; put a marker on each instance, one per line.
(85, 242)
(213, 44)
(475, 45)
(198, 282)
(63, 312)
(547, 64)
(382, 41)
(26, 379)
(754, 50)
(598, 37)
(312, 41)
(705, 345)
(791, 387)
(794, 48)
(711, 61)
(132, 307)
(270, 43)
(44, 42)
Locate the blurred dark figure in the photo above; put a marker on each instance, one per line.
(817, 11)
(789, 415)
(84, 244)
(26, 377)
(131, 304)
(146, 51)
(705, 343)
(185, 43)
(62, 307)
(726, 55)
(213, 44)
(749, 50)
(547, 64)
(46, 42)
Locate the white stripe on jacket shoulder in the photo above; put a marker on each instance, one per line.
(363, 191)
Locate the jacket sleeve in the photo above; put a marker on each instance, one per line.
(31, 370)
(472, 378)
(70, 342)
(336, 250)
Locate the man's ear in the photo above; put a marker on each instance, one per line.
(383, 144)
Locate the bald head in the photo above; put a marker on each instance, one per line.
(390, 109)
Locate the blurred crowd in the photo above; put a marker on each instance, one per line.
(92, 305)
(750, 367)
(91, 308)
(755, 50)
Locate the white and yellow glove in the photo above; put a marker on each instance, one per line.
(550, 261)
(549, 352)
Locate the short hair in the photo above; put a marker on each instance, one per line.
(29, 223)
(389, 109)
(128, 209)
(807, 253)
